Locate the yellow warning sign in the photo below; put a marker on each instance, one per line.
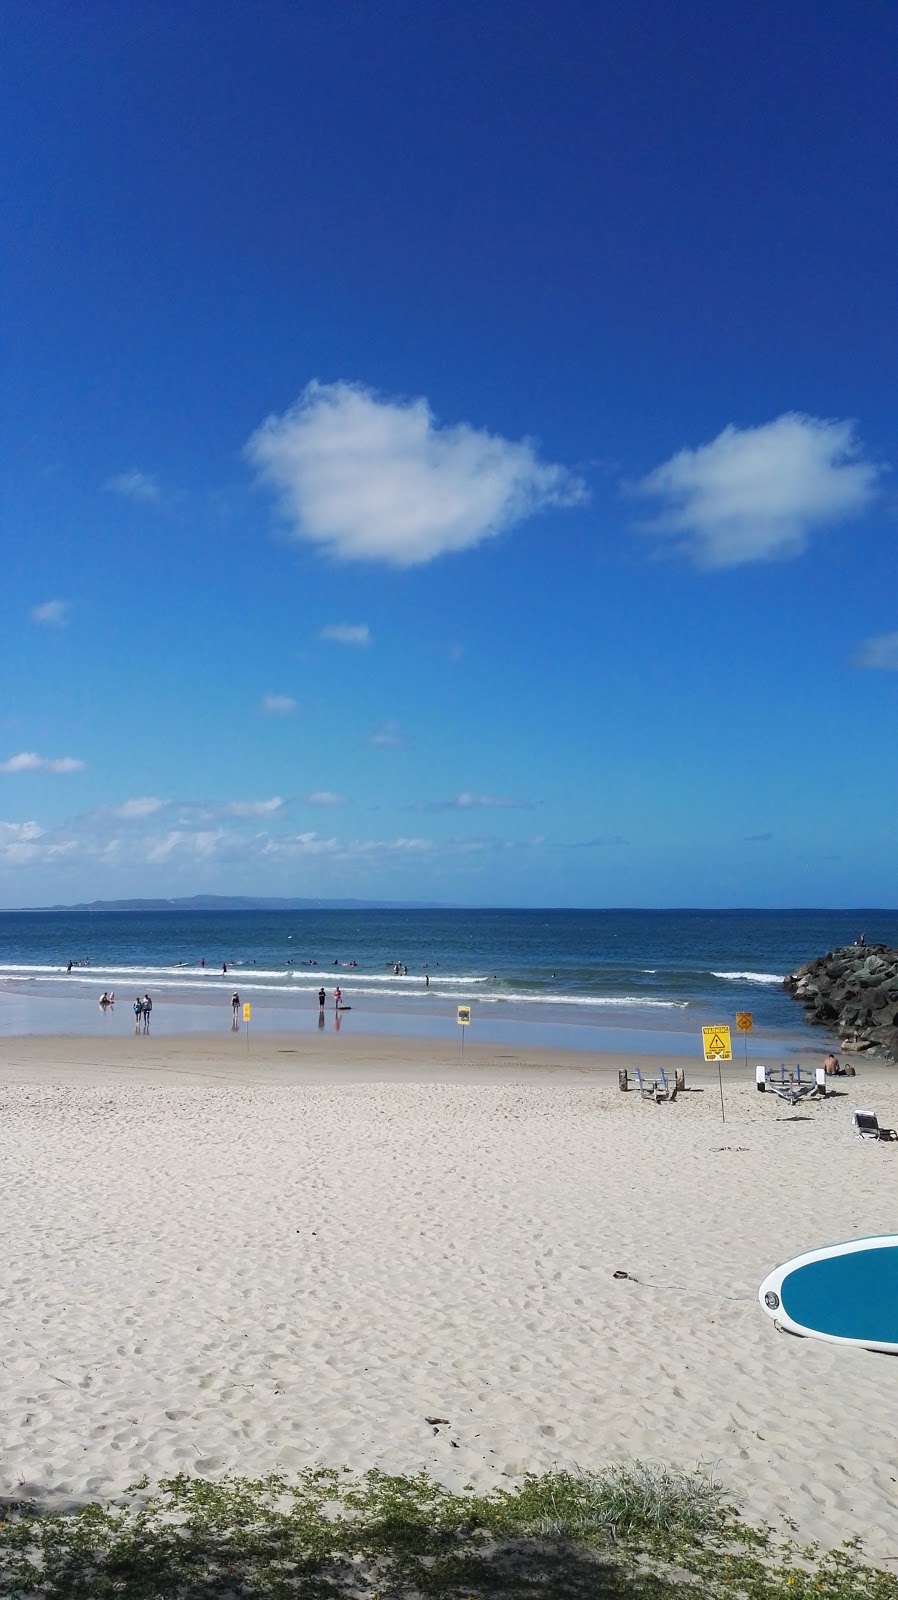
(464, 1016)
(743, 1021)
(716, 1042)
(246, 1011)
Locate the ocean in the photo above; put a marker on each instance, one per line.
(634, 980)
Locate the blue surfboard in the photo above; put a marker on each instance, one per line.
(846, 1293)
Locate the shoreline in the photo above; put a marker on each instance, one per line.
(24, 1014)
(325, 1058)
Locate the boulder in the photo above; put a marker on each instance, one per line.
(852, 990)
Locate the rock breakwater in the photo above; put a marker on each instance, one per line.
(853, 992)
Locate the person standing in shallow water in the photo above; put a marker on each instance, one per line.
(321, 998)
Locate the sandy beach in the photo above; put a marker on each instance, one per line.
(228, 1260)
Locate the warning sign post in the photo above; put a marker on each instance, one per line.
(717, 1046)
(464, 1021)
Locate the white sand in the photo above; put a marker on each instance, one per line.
(213, 1264)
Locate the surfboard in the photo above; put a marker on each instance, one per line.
(844, 1293)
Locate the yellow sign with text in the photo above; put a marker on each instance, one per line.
(246, 1010)
(464, 1016)
(716, 1042)
(743, 1021)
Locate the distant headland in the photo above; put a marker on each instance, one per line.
(229, 902)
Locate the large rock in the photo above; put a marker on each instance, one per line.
(854, 992)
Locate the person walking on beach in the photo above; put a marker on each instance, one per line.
(147, 1008)
(138, 1013)
(235, 1007)
(321, 998)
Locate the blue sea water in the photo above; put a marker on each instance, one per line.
(574, 977)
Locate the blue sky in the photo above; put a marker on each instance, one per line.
(449, 452)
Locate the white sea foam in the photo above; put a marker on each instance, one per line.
(207, 983)
(637, 1002)
(213, 975)
(750, 977)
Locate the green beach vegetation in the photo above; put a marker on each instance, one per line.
(631, 1532)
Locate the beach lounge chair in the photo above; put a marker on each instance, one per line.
(866, 1126)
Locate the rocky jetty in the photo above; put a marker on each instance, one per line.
(853, 992)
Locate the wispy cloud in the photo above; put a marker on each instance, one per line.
(19, 842)
(880, 653)
(347, 633)
(756, 494)
(386, 736)
(202, 845)
(27, 761)
(253, 808)
(369, 478)
(473, 802)
(324, 797)
(134, 485)
(599, 841)
(278, 705)
(137, 809)
(52, 614)
(233, 834)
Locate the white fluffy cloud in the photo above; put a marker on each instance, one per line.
(52, 614)
(134, 485)
(324, 797)
(347, 633)
(278, 705)
(880, 653)
(27, 761)
(755, 494)
(373, 479)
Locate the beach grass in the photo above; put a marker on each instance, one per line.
(632, 1532)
